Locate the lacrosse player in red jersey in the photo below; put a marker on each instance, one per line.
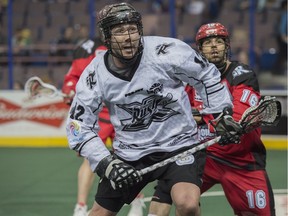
(141, 80)
(239, 168)
(82, 57)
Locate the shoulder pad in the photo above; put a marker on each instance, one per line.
(86, 49)
(242, 74)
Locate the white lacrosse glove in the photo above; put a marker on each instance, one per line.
(120, 174)
(226, 127)
(68, 92)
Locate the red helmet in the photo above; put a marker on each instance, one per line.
(210, 30)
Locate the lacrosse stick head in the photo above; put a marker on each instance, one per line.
(266, 113)
(35, 87)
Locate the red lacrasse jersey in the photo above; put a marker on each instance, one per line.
(243, 85)
(82, 56)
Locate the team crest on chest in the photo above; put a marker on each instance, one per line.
(152, 109)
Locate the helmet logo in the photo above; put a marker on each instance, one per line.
(124, 16)
(211, 31)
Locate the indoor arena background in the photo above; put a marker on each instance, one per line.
(38, 170)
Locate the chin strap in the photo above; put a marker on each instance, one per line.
(222, 66)
(131, 61)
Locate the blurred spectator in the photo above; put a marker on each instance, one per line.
(196, 7)
(280, 67)
(180, 10)
(276, 4)
(262, 9)
(21, 41)
(65, 42)
(3, 47)
(241, 6)
(3, 6)
(26, 37)
(241, 48)
(157, 6)
(214, 9)
(241, 45)
(83, 33)
(3, 37)
(16, 37)
(18, 85)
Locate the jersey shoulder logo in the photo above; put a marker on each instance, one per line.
(88, 46)
(163, 48)
(91, 80)
(239, 70)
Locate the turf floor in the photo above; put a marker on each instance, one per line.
(43, 182)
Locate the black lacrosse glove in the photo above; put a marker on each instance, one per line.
(226, 127)
(120, 174)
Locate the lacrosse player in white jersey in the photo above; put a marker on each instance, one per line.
(141, 80)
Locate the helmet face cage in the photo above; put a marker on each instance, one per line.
(212, 30)
(122, 18)
(115, 14)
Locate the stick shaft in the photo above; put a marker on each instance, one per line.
(180, 155)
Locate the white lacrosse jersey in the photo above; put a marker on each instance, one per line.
(150, 109)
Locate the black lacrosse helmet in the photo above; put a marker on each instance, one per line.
(115, 14)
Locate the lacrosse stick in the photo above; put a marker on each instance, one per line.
(35, 88)
(266, 113)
